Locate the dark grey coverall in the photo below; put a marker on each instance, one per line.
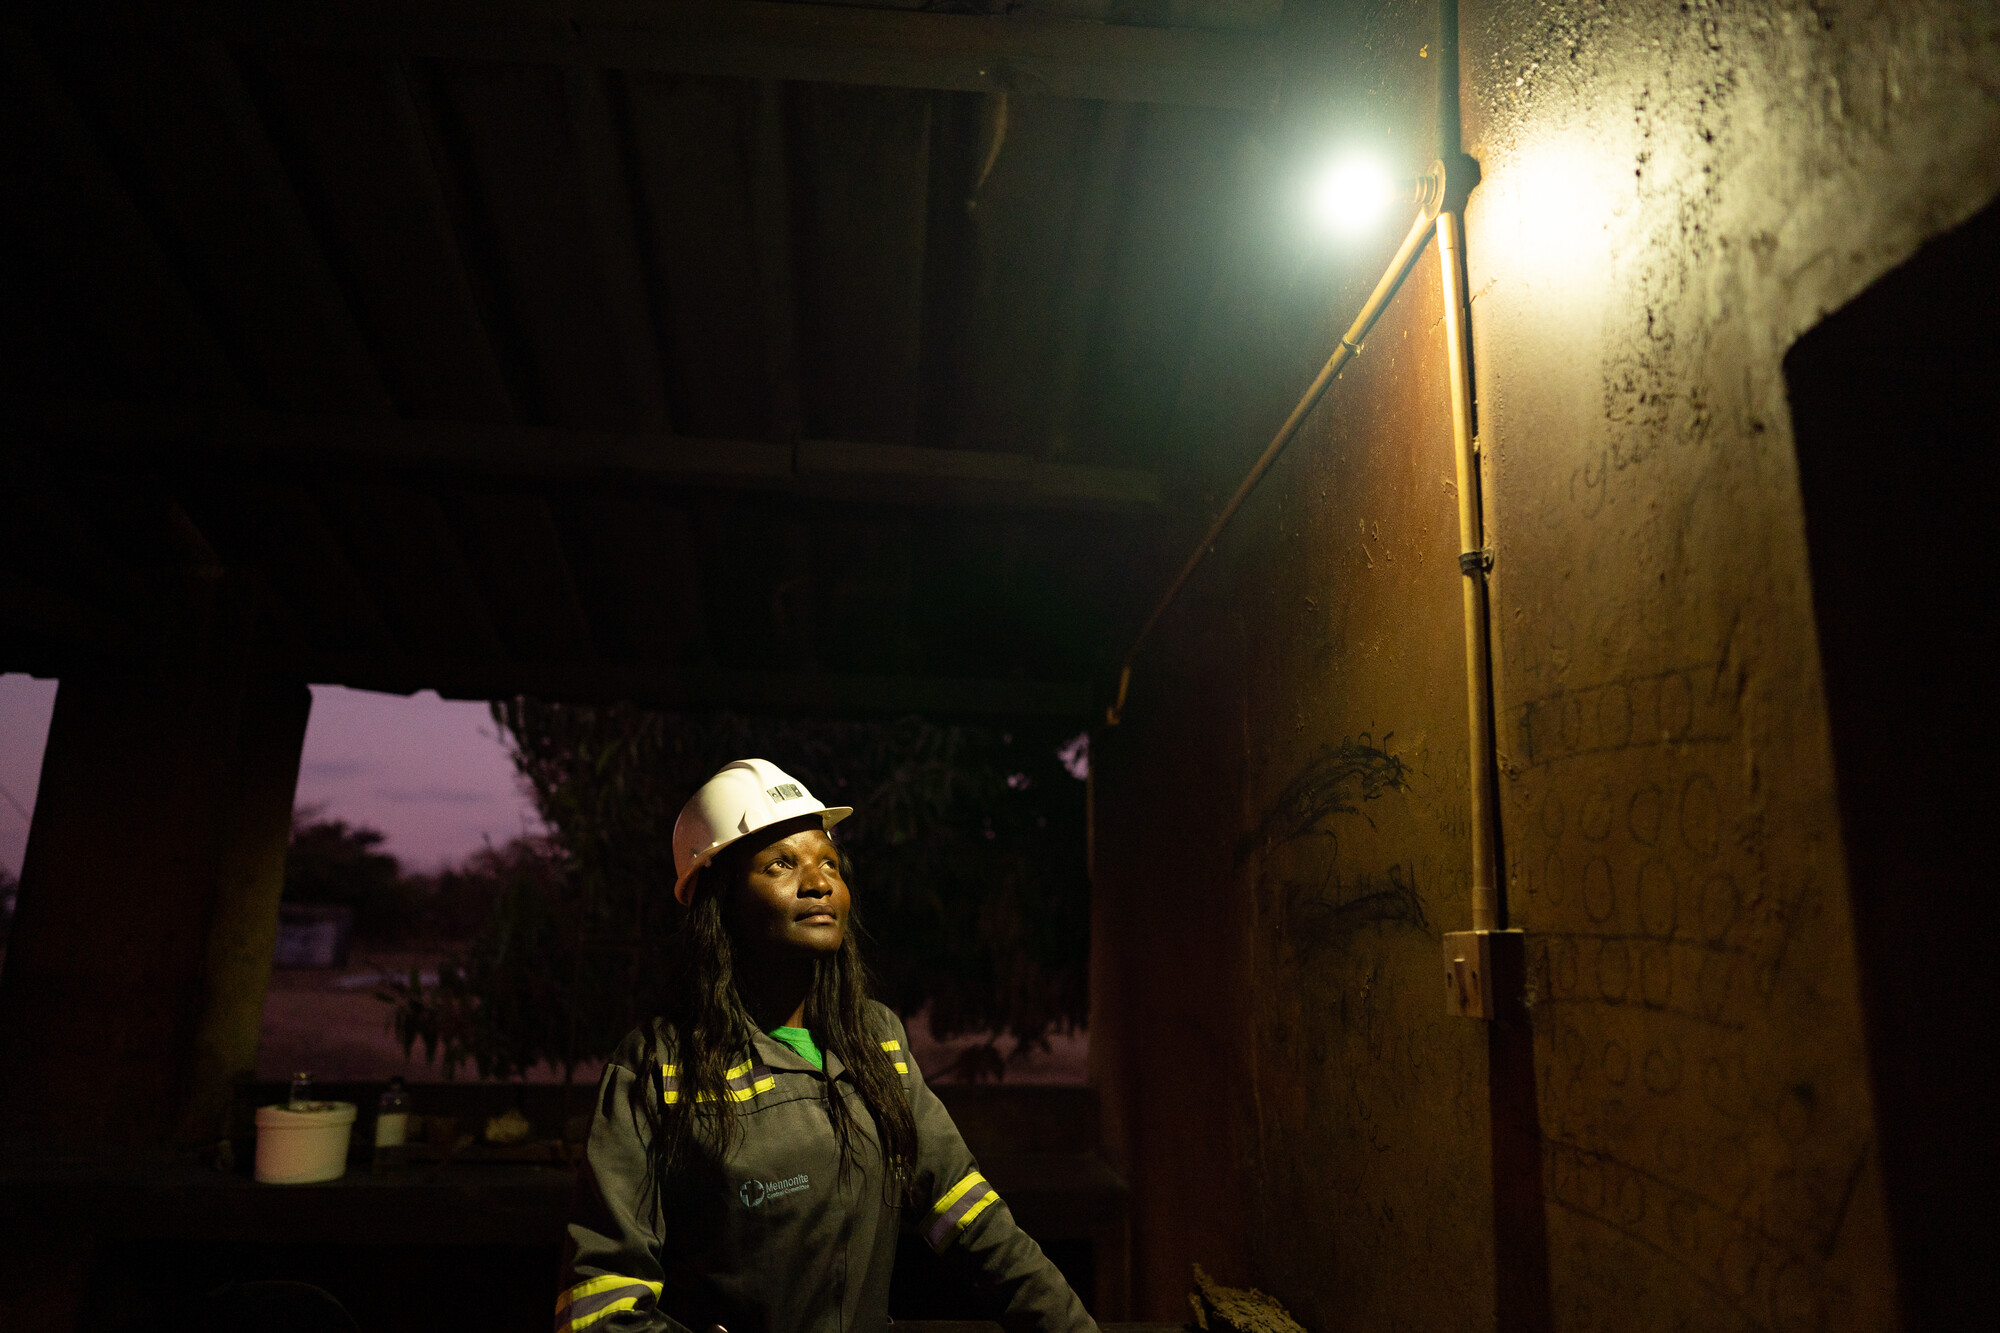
(775, 1239)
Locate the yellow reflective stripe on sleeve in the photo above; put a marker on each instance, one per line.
(965, 1218)
(739, 1071)
(591, 1300)
(957, 1192)
(901, 1068)
(955, 1211)
(581, 1322)
(590, 1287)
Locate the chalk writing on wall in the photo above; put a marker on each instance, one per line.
(1690, 705)
(1683, 1104)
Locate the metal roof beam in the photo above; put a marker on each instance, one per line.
(762, 40)
(173, 440)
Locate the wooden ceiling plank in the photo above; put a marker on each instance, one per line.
(609, 212)
(516, 555)
(637, 575)
(693, 151)
(973, 476)
(521, 171)
(656, 687)
(368, 177)
(174, 326)
(401, 542)
(694, 628)
(565, 595)
(615, 543)
(886, 474)
(179, 125)
(290, 234)
(864, 207)
(278, 528)
(424, 155)
(51, 541)
(763, 40)
(46, 630)
(854, 600)
(141, 524)
(963, 131)
(771, 211)
(221, 516)
(1090, 246)
(1183, 172)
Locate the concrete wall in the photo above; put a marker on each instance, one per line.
(1672, 195)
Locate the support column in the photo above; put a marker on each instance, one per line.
(250, 878)
(134, 983)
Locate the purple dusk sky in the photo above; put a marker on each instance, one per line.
(431, 773)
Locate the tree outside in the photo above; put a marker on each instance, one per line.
(967, 854)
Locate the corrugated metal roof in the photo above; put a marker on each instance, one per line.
(586, 291)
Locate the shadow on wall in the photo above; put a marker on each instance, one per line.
(1896, 407)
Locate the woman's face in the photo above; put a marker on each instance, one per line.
(793, 902)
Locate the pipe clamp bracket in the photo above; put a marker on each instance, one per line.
(1475, 562)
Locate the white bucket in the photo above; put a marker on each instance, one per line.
(299, 1147)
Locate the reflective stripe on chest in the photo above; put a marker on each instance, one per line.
(743, 1082)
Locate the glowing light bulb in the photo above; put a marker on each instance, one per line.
(1352, 195)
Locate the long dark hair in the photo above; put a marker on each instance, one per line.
(705, 1030)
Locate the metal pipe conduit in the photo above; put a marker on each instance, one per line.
(1473, 563)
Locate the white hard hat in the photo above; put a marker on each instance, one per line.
(745, 796)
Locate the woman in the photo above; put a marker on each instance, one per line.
(754, 1151)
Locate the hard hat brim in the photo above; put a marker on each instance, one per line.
(684, 886)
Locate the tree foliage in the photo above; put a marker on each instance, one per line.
(967, 849)
(509, 999)
(332, 861)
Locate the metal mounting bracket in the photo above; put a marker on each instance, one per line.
(1483, 971)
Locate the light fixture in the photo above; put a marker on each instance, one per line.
(1352, 194)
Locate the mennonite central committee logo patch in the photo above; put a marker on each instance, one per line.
(755, 1192)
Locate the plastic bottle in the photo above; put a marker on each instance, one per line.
(301, 1098)
(392, 1126)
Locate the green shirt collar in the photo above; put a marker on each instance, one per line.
(801, 1041)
